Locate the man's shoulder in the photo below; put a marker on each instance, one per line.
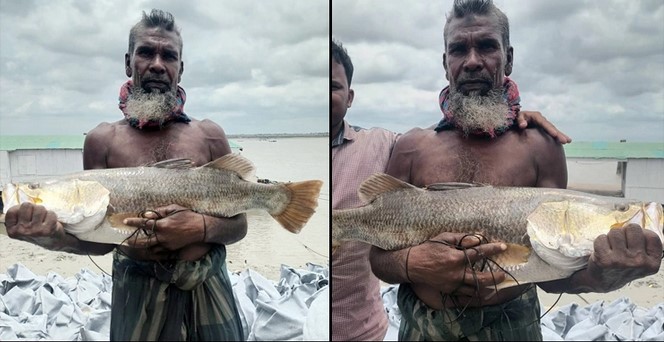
(535, 136)
(206, 125)
(373, 133)
(108, 126)
(105, 129)
(416, 134)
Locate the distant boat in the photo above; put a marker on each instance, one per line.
(272, 140)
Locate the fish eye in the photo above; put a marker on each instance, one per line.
(33, 186)
(621, 207)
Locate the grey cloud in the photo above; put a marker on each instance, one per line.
(63, 61)
(594, 68)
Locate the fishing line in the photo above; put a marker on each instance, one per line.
(552, 305)
(310, 249)
(101, 269)
(583, 299)
(451, 297)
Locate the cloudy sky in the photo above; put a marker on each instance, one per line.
(593, 67)
(252, 68)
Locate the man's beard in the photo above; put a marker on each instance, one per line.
(477, 113)
(152, 106)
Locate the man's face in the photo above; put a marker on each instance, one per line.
(475, 59)
(342, 96)
(156, 62)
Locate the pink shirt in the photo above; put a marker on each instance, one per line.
(357, 309)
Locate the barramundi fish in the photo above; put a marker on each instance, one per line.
(549, 232)
(92, 204)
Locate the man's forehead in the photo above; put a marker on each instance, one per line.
(154, 36)
(338, 71)
(480, 26)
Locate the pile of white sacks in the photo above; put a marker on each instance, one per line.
(78, 308)
(601, 321)
(296, 308)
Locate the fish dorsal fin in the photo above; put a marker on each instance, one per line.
(178, 163)
(380, 183)
(236, 163)
(452, 186)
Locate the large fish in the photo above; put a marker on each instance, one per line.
(92, 204)
(549, 232)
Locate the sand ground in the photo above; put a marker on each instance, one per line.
(40, 261)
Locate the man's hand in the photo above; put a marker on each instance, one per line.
(446, 268)
(524, 118)
(623, 255)
(35, 224)
(173, 227)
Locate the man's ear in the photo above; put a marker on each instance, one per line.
(447, 77)
(181, 71)
(509, 61)
(127, 65)
(351, 96)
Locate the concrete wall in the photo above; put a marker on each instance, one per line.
(601, 176)
(27, 165)
(645, 179)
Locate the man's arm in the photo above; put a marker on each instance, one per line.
(34, 224)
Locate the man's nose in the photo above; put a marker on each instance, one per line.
(157, 65)
(473, 61)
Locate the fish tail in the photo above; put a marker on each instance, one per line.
(304, 199)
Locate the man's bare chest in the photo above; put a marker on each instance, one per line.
(495, 166)
(147, 150)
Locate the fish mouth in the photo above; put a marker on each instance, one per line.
(650, 217)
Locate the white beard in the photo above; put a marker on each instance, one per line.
(154, 106)
(478, 113)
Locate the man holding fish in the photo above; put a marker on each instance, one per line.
(440, 297)
(357, 309)
(172, 283)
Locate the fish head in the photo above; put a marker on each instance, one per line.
(571, 226)
(71, 200)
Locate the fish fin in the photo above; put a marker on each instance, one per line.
(178, 163)
(514, 256)
(380, 183)
(115, 221)
(508, 282)
(236, 163)
(452, 186)
(302, 205)
(109, 233)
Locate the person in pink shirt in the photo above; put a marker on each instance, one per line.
(357, 309)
